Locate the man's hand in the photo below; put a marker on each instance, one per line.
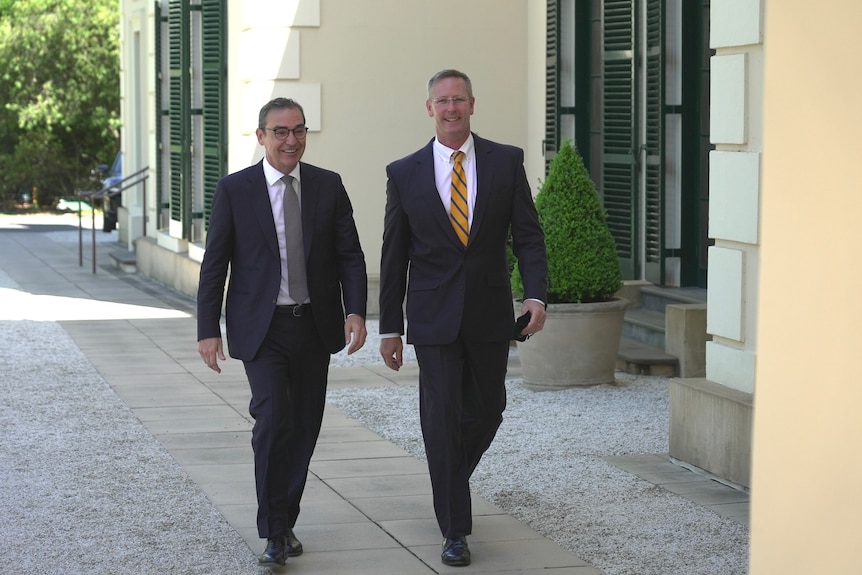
(211, 351)
(392, 349)
(354, 333)
(537, 316)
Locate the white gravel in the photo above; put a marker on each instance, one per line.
(86, 489)
(545, 468)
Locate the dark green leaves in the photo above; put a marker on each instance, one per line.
(582, 258)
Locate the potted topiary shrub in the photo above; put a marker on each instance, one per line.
(580, 341)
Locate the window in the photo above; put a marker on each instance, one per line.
(192, 101)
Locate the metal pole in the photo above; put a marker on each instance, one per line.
(80, 233)
(93, 218)
(144, 204)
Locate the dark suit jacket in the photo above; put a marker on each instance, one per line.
(242, 233)
(451, 288)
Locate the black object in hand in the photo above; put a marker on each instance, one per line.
(520, 324)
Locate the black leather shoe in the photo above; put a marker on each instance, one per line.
(294, 547)
(275, 553)
(455, 552)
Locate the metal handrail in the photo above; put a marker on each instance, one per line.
(139, 177)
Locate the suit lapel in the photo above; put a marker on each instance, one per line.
(484, 174)
(309, 201)
(262, 207)
(426, 188)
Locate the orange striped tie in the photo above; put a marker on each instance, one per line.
(459, 211)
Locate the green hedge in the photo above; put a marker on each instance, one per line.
(582, 257)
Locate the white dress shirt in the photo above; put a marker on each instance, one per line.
(443, 167)
(276, 188)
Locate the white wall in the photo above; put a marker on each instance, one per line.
(736, 109)
(360, 71)
(138, 131)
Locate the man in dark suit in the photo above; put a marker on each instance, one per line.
(448, 216)
(297, 293)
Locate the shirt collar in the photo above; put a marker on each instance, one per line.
(272, 175)
(445, 152)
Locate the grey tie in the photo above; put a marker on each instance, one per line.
(297, 280)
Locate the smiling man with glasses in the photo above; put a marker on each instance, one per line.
(449, 209)
(297, 293)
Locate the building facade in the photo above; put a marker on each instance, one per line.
(667, 101)
(627, 81)
(196, 72)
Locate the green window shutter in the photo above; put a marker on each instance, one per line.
(214, 98)
(654, 143)
(552, 95)
(179, 110)
(161, 200)
(619, 129)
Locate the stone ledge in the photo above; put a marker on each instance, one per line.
(640, 359)
(124, 260)
(710, 428)
(686, 337)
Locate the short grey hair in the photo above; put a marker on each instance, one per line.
(449, 73)
(278, 104)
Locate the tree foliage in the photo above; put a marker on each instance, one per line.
(59, 94)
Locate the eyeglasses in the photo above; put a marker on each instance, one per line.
(282, 133)
(457, 100)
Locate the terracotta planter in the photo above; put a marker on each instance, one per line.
(578, 346)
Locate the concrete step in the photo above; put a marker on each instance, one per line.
(124, 260)
(645, 325)
(656, 298)
(639, 358)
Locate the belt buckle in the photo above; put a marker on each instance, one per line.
(297, 310)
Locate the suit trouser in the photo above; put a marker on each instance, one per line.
(288, 393)
(462, 395)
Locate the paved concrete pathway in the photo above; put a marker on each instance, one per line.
(367, 508)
